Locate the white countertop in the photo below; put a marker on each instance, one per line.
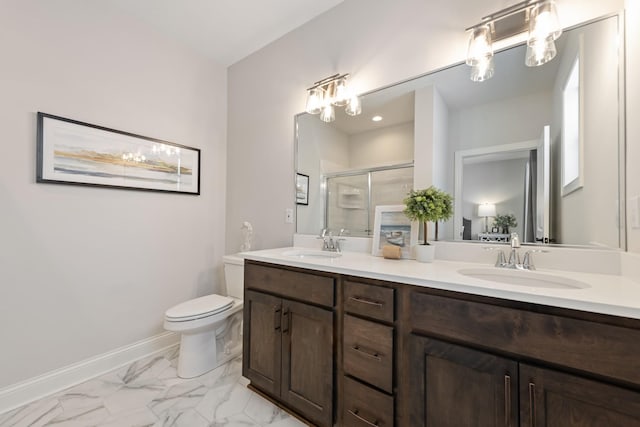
(605, 294)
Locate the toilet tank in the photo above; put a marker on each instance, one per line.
(234, 275)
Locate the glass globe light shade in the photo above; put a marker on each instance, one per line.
(480, 46)
(328, 113)
(540, 53)
(354, 107)
(315, 98)
(483, 70)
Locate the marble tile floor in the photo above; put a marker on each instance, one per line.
(148, 393)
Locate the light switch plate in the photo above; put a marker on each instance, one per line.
(288, 216)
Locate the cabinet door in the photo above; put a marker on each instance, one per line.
(453, 386)
(553, 399)
(307, 361)
(262, 341)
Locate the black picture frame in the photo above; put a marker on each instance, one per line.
(78, 153)
(302, 189)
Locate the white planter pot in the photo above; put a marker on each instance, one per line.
(425, 253)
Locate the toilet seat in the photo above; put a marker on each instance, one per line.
(199, 308)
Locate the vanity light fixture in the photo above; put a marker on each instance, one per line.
(331, 92)
(538, 17)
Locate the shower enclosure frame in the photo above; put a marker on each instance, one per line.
(353, 172)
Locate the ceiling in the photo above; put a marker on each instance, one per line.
(224, 30)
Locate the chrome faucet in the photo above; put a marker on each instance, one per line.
(329, 243)
(514, 257)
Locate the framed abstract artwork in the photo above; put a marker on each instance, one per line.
(73, 152)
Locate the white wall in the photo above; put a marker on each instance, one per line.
(599, 87)
(326, 149)
(492, 124)
(499, 122)
(87, 270)
(381, 147)
(633, 115)
(378, 43)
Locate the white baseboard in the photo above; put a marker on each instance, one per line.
(24, 392)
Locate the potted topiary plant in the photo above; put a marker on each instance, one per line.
(505, 221)
(427, 205)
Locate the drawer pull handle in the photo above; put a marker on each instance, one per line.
(532, 404)
(507, 401)
(364, 420)
(374, 356)
(367, 301)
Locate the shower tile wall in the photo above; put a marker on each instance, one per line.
(348, 198)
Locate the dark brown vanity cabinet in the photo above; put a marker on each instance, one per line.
(368, 355)
(454, 386)
(354, 352)
(549, 398)
(477, 364)
(288, 337)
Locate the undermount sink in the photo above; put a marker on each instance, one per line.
(311, 253)
(523, 278)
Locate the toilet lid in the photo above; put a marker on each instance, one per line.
(199, 307)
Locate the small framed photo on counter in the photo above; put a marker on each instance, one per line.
(302, 189)
(392, 227)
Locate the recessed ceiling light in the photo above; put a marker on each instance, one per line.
(376, 118)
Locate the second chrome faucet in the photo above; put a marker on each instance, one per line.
(514, 256)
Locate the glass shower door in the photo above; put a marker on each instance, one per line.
(348, 204)
(389, 187)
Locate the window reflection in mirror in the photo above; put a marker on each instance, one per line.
(571, 158)
(450, 115)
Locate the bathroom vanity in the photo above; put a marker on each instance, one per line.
(363, 341)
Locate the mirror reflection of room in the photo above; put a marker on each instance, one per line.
(355, 164)
(540, 143)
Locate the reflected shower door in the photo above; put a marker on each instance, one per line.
(389, 187)
(348, 204)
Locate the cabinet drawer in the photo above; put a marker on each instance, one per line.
(368, 352)
(588, 346)
(365, 407)
(293, 284)
(369, 300)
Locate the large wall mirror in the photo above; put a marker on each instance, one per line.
(543, 145)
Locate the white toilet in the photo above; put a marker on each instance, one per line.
(211, 326)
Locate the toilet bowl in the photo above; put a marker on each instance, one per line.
(210, 326)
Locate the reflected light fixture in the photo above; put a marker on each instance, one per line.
(538, 17)
(480, 53)
(331, 92)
